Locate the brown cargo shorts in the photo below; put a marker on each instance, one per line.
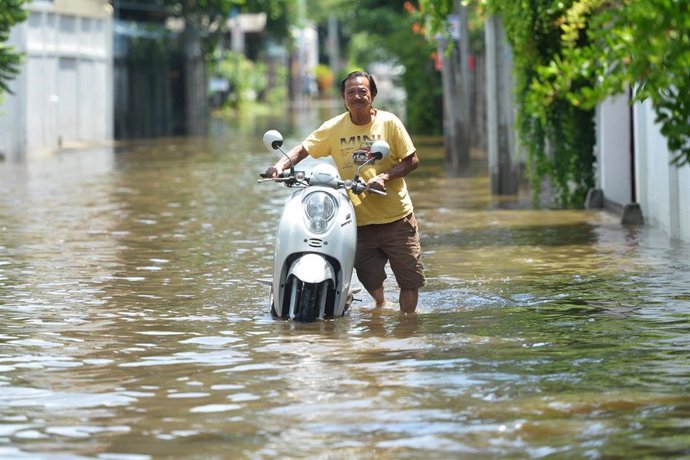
(396, 242)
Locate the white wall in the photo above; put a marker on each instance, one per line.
(12, 108)
(684, 203)
(63, 95)
(663, 189)
(614, 150)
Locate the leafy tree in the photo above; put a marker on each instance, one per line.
(11, 13)
(622, 44)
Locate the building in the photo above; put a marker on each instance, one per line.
(63, 93)
(159, 72)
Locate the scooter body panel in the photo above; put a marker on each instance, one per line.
(312, 268)
(314, 257)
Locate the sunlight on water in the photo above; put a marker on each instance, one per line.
(132, 325)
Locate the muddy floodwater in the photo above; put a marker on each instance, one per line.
(132, 325)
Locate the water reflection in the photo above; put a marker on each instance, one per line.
(131, 325)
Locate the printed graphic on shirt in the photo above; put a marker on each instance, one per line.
(362, 154)
(351, 141)
(358, 146)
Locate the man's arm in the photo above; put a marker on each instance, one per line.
(296, 154)
(401, 169)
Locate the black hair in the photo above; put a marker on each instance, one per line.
(359, 73)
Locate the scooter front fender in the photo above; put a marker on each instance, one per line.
(312, 268)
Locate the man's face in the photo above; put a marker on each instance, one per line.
(358, 95)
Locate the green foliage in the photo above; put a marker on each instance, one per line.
(11, 13)
(277, 94)
(278, 12)
(324, 79)
(435, 13)
(422, 82)
(621, 44)
(152, 42)
(365, 49)
(205, 17)
(247, 79)
(558, 136)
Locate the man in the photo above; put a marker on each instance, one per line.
(386, 226)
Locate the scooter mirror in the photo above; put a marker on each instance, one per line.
(273, 140)
(380, 149)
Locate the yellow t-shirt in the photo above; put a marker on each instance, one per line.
(340, 138)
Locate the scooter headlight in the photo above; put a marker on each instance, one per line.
(319, 208)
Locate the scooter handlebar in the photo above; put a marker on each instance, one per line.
(377, 191)
(358, 186)
(283, 175)
(288, 178)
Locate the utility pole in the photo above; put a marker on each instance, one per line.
(196, 104)
(454, 51)
(464, 80)
(451, 128)
(299, 58)
(500, 118)
(333, 44)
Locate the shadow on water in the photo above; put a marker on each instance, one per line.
(131, 325)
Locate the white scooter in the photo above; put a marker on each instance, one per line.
(316, 238)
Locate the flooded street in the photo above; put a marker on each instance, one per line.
(132, 325)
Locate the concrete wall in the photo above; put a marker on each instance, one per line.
(63, 95)
(661, 189)
(614, 150)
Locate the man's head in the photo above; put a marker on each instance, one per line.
(359, 73)
(358, 91)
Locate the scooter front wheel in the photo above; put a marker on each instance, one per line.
(309, 303)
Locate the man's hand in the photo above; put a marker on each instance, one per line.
(377, 183)
(272, 172)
